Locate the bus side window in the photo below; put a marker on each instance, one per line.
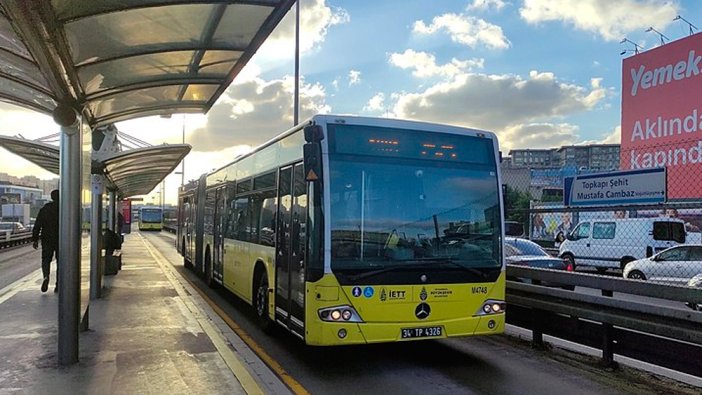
(230, 214)
(241, 224)
(265, 204)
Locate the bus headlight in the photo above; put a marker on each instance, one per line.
(492, 306)
(339, 314)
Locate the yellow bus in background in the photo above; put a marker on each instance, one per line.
(150, 218)
(350, 230)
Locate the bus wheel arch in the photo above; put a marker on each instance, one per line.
(260, 296)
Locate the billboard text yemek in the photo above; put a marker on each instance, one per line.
(662, 114)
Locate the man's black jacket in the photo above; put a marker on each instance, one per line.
(46, 226)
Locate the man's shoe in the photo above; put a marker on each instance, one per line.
(45, 284)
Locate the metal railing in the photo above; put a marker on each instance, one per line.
(14, 239)
(642, 325)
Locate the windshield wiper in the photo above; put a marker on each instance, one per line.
(451, 262)
(428, 263)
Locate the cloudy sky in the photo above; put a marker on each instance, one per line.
(539, 73)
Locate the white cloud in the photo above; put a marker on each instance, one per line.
(512, 106)
(376, 103)
(537, 135)
(315, 20)
(615, 137)
(484, 5)
(354, 77)
(252, 112)
(612, 20)
(466, 30)
(424, 64)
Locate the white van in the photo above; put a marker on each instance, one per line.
(613, 243)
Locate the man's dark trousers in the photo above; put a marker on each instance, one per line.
(47, 254)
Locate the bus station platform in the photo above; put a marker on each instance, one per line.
(151, 332)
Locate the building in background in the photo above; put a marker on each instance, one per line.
(594, 157)
(534, 158)
(540, 172)
(26, 195)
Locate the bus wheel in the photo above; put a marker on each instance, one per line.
(261, 304)
(209, 277)
(186, 262)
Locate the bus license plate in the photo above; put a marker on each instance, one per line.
(429, 331)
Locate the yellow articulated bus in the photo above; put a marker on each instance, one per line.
(350, 230)
(150, 218)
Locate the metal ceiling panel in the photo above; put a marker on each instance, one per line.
(119, 60)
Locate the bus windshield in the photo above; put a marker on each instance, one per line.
(150, 216)
(413, 207)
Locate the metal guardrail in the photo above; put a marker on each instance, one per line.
(641, 329)
(14, 239)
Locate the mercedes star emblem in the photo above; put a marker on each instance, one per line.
(422, 311)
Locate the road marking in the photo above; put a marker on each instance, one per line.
(289, 381)
(293, 384)
(19, 285)
(247, 381)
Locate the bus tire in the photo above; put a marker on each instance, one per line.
(186, 262)
(261, 303)
(209, 277)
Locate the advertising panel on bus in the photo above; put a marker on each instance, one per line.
(661, 112)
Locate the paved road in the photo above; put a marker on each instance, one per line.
(487, 365)
(17, 263)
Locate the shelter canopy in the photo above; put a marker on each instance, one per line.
(139, 171)
(118, 60)
(130, 173)
(41, 154)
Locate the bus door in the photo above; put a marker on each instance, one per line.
(219, 213)
(290, 249)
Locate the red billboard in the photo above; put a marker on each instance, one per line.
(662, 113)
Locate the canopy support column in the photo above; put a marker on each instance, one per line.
(96, 260)
(70, 171)
(112, 212)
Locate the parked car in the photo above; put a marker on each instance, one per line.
(614, 243)
(695, 282)
(10, 228)
(675, 265)
(525, 252)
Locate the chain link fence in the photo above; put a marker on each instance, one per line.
(660, 243)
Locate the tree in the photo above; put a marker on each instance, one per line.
(516, 205)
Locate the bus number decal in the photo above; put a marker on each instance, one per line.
(479, 290)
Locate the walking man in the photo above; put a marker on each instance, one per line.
(46, 228)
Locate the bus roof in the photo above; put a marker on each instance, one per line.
(352, 119)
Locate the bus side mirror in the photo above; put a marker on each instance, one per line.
(312, 160)
(313, 134)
